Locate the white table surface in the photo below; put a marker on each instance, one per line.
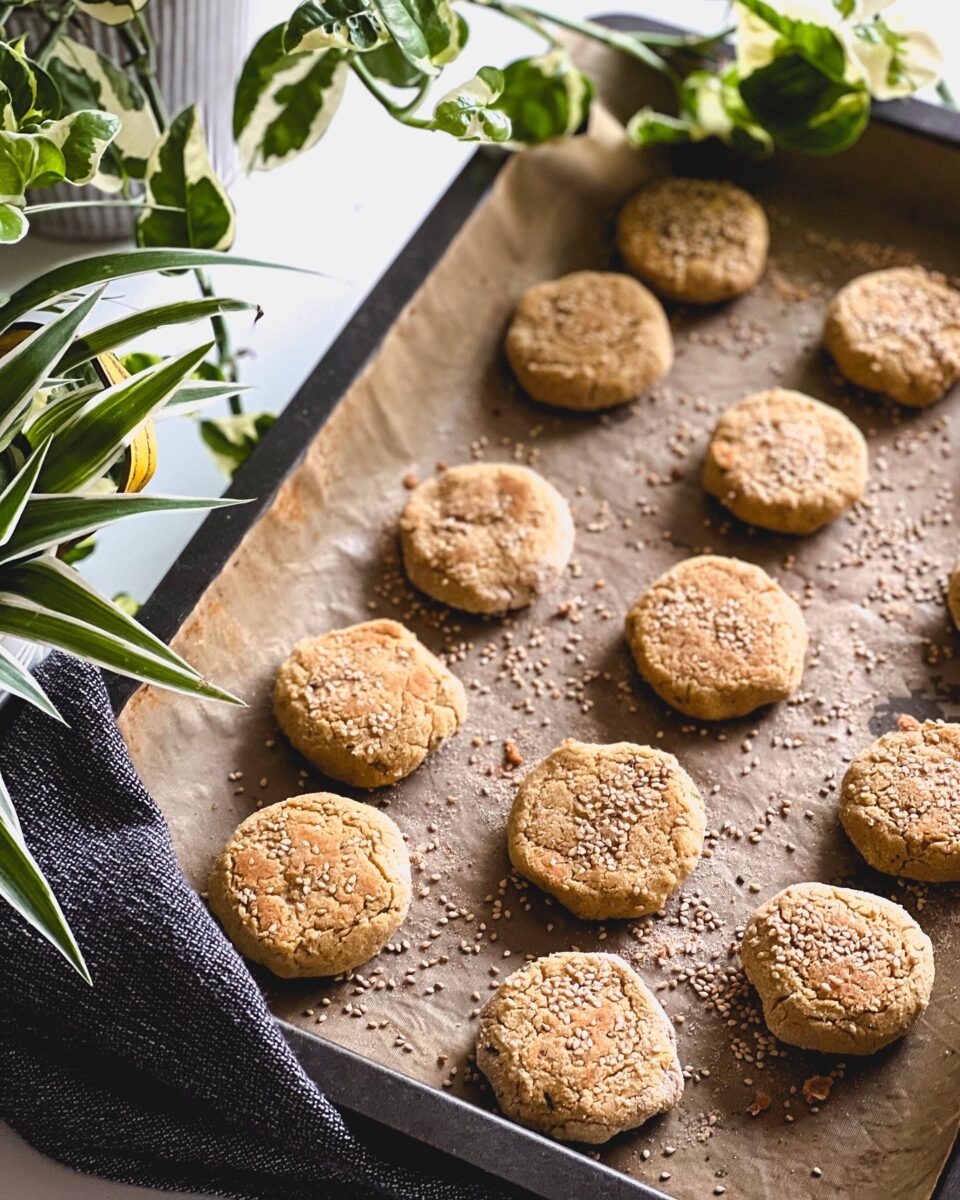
(345, 209)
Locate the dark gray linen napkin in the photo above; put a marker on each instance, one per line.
(169, 1072)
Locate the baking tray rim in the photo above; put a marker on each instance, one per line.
(485, 1139)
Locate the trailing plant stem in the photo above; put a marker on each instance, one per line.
(57, 26)
(399, 112)
(626, 43)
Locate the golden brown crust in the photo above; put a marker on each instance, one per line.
(314, 885)
(897, 331)
(611, 830)
(900, 802)
(786, 462)
(717, 637)
(695, 240)
(576, 1046)
(589, 341)
(837, 970)
(368, 703)
(487, 537)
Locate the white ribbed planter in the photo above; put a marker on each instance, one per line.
(24, 652)
(201, 47)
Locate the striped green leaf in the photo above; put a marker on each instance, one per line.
(16, 679)
(58, 414)
(47, 521)
(117, 333)
(58, 588)
(23, 886)
(25, 618)
(15, 495)
(53, 285)
(23, 368)
(84, 450)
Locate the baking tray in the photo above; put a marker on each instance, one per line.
(395, 1098)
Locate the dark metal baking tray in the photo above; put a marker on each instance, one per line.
(483, 1139)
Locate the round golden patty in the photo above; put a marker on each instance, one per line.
(717, 637)
(837, 970)
(487, 537)
(368, 703)
(577, 1046)
(694, 240)
(786, 462)
(897, 331)
(611, 830)
(314, 885)
(588, 341)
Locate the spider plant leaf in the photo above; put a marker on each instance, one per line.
(24, 887)
(47, 521)
(16, 679)
(89, 444)
(196, 394)
(23, 368)
(23, 617)
(108, 337)
(59, 414)
(60, 281)
(59, 588)
(15, 495)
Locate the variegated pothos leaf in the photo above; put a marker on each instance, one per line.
(468, 113)
(88, 80)
(285, 102)
(111, 12)
(180, 174)
(82, 139)
(353, 25)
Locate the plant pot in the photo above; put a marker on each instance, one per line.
(201, 47)
(24, 652)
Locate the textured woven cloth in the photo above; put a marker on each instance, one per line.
(169, 1072)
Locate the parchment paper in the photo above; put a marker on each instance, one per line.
(324, 555)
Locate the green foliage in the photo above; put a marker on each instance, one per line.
(285, 102)
(179, 175)
(469, 112)
(62, 436)
(231, 440)
(40, 144)
(88, 80)
(545, 97)
(335, 24)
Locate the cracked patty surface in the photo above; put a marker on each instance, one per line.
(837, 970)
(900, 802)
(696, 240)
(609, 830)
(589, 340)
(897, 331)
(717, 638)
(577, 1046)
(486, 537)
(368, 703)
(314, 885)
(786, 462)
